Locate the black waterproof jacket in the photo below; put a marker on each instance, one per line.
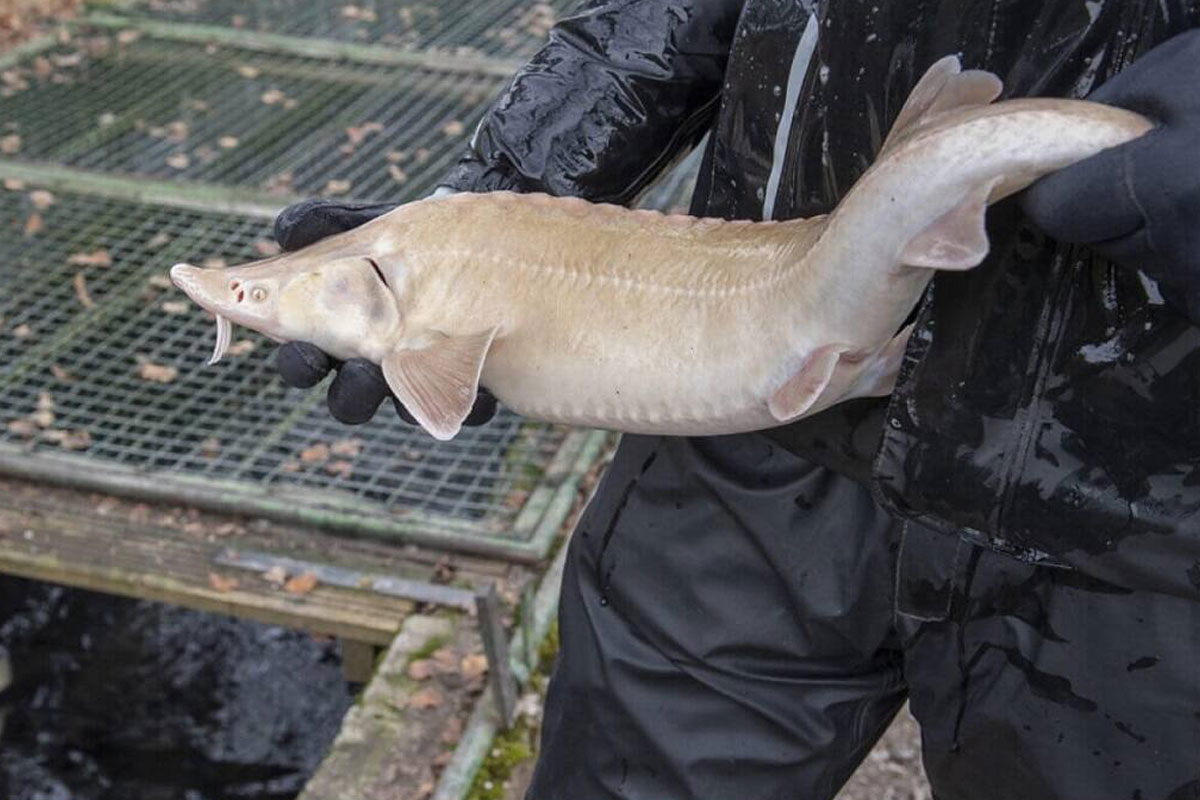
(1049, 404)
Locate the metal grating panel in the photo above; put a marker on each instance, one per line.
(233, 431)
(280, 123)
(506, 28)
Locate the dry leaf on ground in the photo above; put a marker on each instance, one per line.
(301, 584)
(266, 247)
(453, 128)
(357, 133)
(61, 374)
(317, 453)
(426, 698)
(175, 307)
(178, 161)
(177, 131)
(157, 373)
(228, 142)
(106, 119)
(81, 291)
(158, 240)
(210, 447)
(341, 469)
(336, 186)
(24, 428)
(160, 281)
(128, 36)
(272, 97)
(10, 144)
(96, 258)
(221, 583)
(247, 71)
(41, 199)
(34, 224)
(473, 666)
(240, 348)
(347, 448)
(22, 332)
(276, 576)
(398, 175)
(14, 184)
(212, 263)
(420, 670)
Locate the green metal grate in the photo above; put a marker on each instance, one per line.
(505, 28)
(231, 435)
(281, 123)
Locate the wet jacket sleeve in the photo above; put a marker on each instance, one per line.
(621, 87)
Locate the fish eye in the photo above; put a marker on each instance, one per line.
(258, 294)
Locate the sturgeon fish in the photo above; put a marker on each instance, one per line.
(632, 320)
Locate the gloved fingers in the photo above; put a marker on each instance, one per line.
(1147, 83)
(302, 224)
(403, 411)
(356, 392)
(483, 410)
(302, 365)
(1089, 201)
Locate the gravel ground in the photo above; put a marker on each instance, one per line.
(892, 771)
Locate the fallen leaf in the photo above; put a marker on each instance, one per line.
(22, 332)
(241, 347)
(398, 175)
(128, 36)
(426, 698)
(45, 401)
(453, 128)
(247, 71)
(301, 584)
(279, 183)
(347, 448)
(175, 307)
(238, 20)
(290, 102)
(222, 584)
(266, 247)
(67, 59)
(356, 134)
(452, 730)
(81, 292)
(425, 790)
(178, 161)
(41, 199)
(198, 105)
(42, 67)
(420, 670)
(337, 187)
(106, 119)
(157, 373)
(43, 419)
(34, 224)
(421, 156)
(396, 156)
(290, 466)
(445, 659)
(315, 454)
(14, 184)
(96, 258)
(158, 240)
(272, 97)
(210, 447)
(61, 374)
(70, 440)
(341, 469)
(160, 281)
(213, 263)
(177, 131)
(24, 428)
(276, 576)
(473, 666)
(228, 142)
(10, 144)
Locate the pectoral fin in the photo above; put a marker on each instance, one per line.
(802, 389)
(957, 240)
(437, 381)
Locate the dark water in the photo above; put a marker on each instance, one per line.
(117, 699)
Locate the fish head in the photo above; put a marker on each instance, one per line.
(342, 304)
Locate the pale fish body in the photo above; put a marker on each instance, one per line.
(636, 321)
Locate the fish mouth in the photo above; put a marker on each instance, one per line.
(186, 278)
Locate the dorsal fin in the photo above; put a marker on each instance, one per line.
(943, 87)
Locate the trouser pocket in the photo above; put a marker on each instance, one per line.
(928, 567)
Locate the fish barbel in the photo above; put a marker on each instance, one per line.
(632, 320)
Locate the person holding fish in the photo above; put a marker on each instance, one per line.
(1010, 541)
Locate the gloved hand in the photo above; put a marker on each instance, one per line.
(359, 387)
(1139, 204)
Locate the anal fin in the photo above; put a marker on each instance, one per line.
(957, 240)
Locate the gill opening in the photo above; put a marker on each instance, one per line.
(379, 272)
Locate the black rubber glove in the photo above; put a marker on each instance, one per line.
(1139, 204)
(359, 387)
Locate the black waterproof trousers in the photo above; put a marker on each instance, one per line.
(738, 624)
